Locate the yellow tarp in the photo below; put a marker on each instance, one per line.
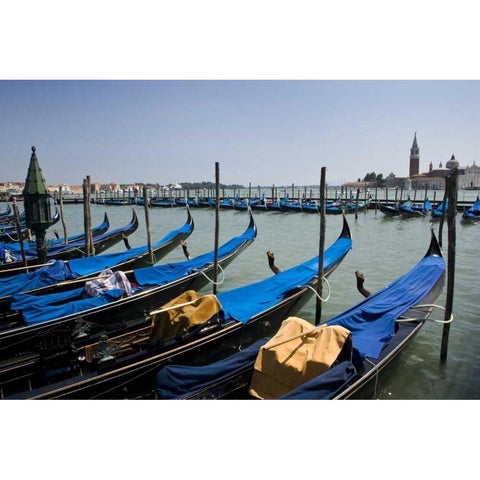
(168, 323)
(288, 360)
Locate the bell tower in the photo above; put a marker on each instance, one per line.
(414, 157)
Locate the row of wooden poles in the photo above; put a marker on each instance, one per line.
(451, 187)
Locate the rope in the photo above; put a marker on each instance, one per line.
(154, 259)
(316, 293)
(450, 320)
(13, 240)
(208, 278)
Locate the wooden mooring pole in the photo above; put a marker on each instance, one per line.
(19, 232)
(87, 219)
(62, 215)
(356, 203)
(321, 248)
(217, 225)
(147, 223)
(444, 212)
(451, 222)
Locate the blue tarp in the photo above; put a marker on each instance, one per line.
(267, 293)
(165, 273)
(176, 381)
(372, 321)
(40, 308)
(325, 386)
(49, 306)
(48, 275)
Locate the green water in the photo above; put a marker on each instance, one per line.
(383, 249)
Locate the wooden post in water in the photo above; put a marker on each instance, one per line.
(90, 233)
(425, 196)
(451, 221)
(365, 209)
(62, 216)
(87, 220)
(147, 223)
(19, 232)
(356, 203)
(321, 248)
(442, 218)
(376, 197)
(217, 226)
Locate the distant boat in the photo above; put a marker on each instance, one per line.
(472, 214)
(437, 213)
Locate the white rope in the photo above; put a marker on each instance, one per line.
(429, 305)
(316, 293)
(208, 278)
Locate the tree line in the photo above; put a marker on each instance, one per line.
(376, 178)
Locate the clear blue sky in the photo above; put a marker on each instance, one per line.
(264, 132)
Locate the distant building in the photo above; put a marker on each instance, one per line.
(471, 178)
(414, 158)
(434, 179)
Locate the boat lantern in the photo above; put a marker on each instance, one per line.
(36, 200)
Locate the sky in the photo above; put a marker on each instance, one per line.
(261, 132)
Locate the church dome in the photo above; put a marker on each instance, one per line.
(452, 163)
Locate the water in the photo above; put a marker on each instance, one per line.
(383, 249)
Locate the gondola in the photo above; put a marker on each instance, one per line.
(74, 249)
(346, 354)
(292, 206)
(125, 367)
(205, 202)
(50, 329)
(227, 203)
(472, 214)
(389, 210)
(117, 202)
(98, 230)
(438, 212)
(8, 233)
(408, 209)
(47, 279)
(6, 212)
(162, 202)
